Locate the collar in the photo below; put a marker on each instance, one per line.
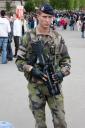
(44, 34)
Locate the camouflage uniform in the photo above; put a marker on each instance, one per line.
(38, 92)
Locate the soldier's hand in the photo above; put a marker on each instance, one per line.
(38, 74)
(27, 68)
(58, 76)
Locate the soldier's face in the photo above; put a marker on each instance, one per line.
(44, 20)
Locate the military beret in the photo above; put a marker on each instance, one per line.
(47, 8)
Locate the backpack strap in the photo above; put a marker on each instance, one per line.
(57, 41)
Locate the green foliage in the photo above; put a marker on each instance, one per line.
(64, 4)
(76, 4)
(40, 2)
(82, 4)
(57, 4)
(8, 6)
(29, 6)
(70, 4)
(53, 3)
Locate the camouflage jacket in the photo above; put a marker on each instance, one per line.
(54, 46)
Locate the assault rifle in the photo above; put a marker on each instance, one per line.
(46, 67)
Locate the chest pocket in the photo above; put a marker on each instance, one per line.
(51, 45)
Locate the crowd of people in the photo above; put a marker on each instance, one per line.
(12, 28)
(42, 55)
(73, 20)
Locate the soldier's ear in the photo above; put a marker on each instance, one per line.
(38, 13)
(37, 16)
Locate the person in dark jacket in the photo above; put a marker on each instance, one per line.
(83, 27)
(9, 47)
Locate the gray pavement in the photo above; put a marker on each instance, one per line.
(14, 103)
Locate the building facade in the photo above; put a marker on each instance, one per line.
(13, 3)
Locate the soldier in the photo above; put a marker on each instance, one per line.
(29, 60)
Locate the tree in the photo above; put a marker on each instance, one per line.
(29, 6)
(76, 4)
(58, 4)
(40, 2)
(81, 4)
(53, 3)
(8, 6)
(62, 4)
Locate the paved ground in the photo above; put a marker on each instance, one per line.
(14, 105)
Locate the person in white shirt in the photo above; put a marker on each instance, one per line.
(17, 33)
(79, 24)
(5, 29)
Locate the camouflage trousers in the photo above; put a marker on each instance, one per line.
(38, 97)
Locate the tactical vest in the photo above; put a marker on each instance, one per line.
(52, 45)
